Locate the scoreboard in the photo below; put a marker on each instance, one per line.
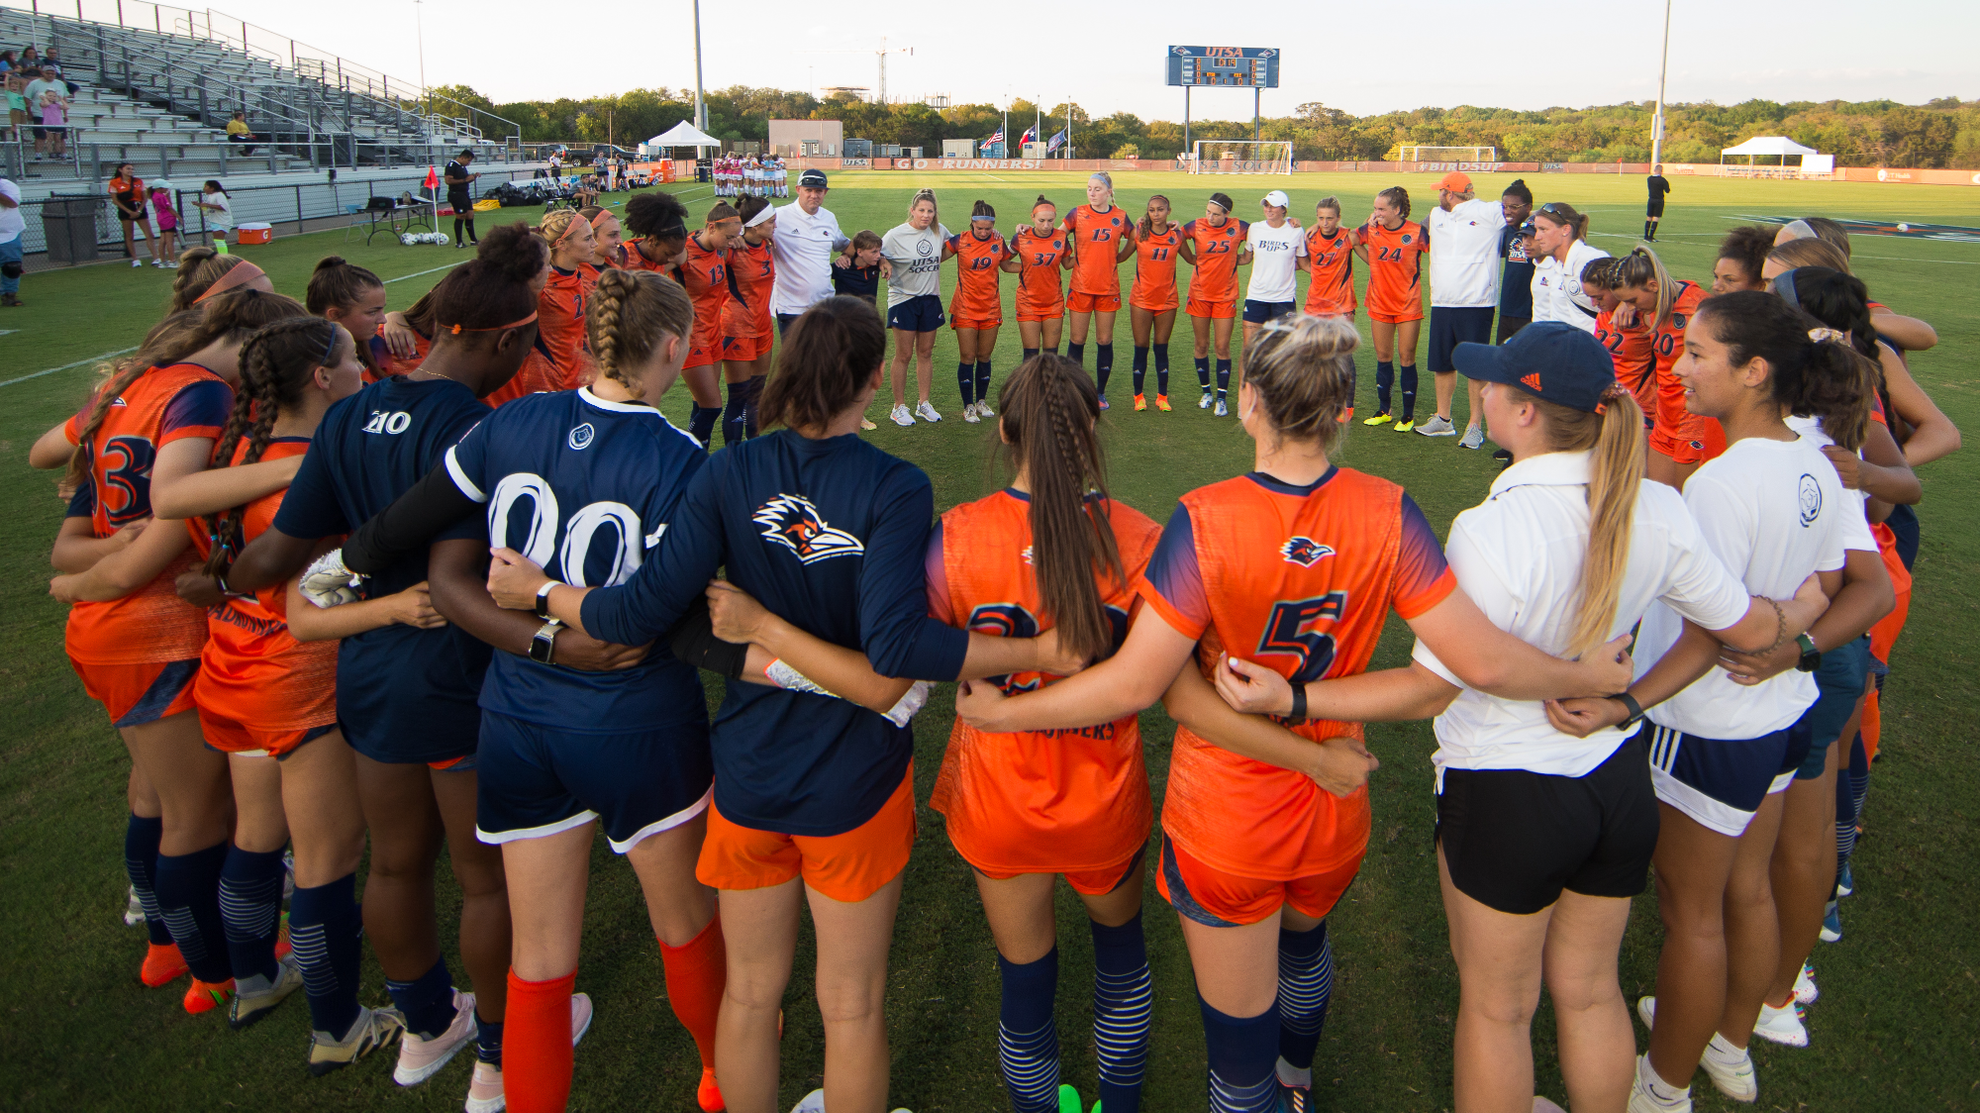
(1228, 67)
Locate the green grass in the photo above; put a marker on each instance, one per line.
(1894, 1029)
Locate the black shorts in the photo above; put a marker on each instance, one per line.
(1514, 839)
(921, 313)
(1509, 326)
(1259, 312)
(1451, 325)
(1655, 210)
(461, 203)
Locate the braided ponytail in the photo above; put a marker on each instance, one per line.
(628, 316)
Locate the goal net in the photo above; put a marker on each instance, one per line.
(1411, 152)
(1240, 156)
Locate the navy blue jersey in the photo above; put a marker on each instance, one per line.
(856, 282)
(1516, 284)
(584, 487)
(403, 694)
(829, 534)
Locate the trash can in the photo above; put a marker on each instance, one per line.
(69, 223)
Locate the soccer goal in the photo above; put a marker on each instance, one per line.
(1414, 153)
(1241, 156)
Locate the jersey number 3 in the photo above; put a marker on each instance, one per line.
(1288, 631)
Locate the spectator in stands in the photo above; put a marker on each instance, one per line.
(7, 62)
(36, 86)
(55, 121)
(30, 59)
(17, 107)
(218, 209)
(237, 132)
(11, 226)
(128, 195)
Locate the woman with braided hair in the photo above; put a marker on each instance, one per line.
(1023, 807)
(202, 271)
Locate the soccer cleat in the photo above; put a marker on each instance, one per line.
(1845, 885)
(1069, 1100)
(421, 1058)
(1162, 402)
(1644, 1100)
(1805, 991)
(1203, 403)
(1294, 1099)
(1437, 426)
(1382, 418)
(133, 909)
(1546, 1105)
(1405, 425)
(247, 1008)
(204, 997)
(969, 413)
(983, 410)
(581, 1014)
(901, 416)
(1474, 437)
(1103, 402)
(926, 412)
(1221, 410)
(162, 964)
(1140, 403)
(1782, 1025)
(865, 425)
(1831, 924)
(1646, 1011)
(707, 1094)
(374, 1028)
(813, 1102)
(485, 1094)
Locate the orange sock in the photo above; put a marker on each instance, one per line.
(696, 974)
(536, 1044)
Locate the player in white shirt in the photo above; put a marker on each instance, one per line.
(1464, 233)
(1544, 835)
(1278, 253)
(1560, 249)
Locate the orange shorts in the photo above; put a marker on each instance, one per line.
(848, 867)
(704, 348)
(1413, 313)
(142, 693)
(1215, 310)
(1695, 440)
(1091, 883)
(1155, 305)
(1218, 899)
(743, 349)
(231, 736)
(1093, 303)
(978, 323)
(1027, 311)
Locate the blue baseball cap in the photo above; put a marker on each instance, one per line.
(1553, 360)
(812, 179)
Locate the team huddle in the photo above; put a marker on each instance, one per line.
(750, 176)
(352, 579)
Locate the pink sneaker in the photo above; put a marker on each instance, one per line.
(420, 1059)
(485, 1094)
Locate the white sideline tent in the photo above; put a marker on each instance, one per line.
(1766, 145)
(683, 134)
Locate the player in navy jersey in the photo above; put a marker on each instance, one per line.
(829, 533)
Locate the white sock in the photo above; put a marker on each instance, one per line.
(1290, 1075)
(1722, 1052)
(1663, 1091)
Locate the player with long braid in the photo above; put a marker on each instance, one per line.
(749, 329)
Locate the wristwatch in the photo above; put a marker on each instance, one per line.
(1634, 708)
(544, 643)
(543, 600)
(1811, 657)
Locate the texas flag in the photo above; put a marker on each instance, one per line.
(1030, 135)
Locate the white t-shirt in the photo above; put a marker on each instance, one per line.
(1464, 254)
(1856, 531)
(12, 224)
(1518, 555)
(1773, 511)
(221, 214)
(1275, 255)
(1557, 293)
(803, 248)
(916, 258)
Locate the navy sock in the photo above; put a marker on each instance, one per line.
(732, 413)
(141, 835)
(1140, 368)
(1306, 981)
(1103, 364)
(251, 910)
(1203, 373)
(966, 382)
(1242, 1053)
(754, 402)
(472, 238)
(427, 1002)
(1852, 784)
(326, 930)
(1028, 353)
(1077, 353)
(1162, 370)
(1408, 391)
(1385, 381)
(1223, 377)
(1123, 996)
(189, 895)
(701, 422)
(1027, 1039)
(982, 380)
(488, 1040)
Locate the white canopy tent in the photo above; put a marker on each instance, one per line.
(683, 134)
(1810, 163)
(1767, 145)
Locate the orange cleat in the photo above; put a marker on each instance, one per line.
(1140, 403)
(206, 996)
(707, 1094)
(162, 964)
(1162, 402)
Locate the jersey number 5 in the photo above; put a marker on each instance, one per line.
(1287, 631)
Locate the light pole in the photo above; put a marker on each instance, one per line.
(419, 36)
(1657, 119)
(700, 106)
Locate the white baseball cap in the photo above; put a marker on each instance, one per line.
(1278, 199)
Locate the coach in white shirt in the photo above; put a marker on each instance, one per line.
(1464, 234)
(1560, 251)
(1276, 245)
(808, 244)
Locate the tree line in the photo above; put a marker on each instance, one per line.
(1940, 133)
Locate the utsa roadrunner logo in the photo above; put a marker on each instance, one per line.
(793, 522)
(1304, 551)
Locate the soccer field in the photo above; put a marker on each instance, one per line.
(1895, 1027)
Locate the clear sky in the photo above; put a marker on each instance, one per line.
(1358, 59)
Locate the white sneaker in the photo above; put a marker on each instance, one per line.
(1221, 410)
(983, 410)
(926, 412)
(1730, 1069)
(581, 1014)
(1203, 403)
(969, 413)
(136, 263)
(1437, 427)
(1646, 1011)
(421, 1059)
(1644, 1100)
(813, 1102)
(1474, 437)
(1805, 991)
(1782, 1026)
(901, 416)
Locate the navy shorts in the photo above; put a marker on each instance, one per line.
(1451, 325)
(538, 781)
(1720, 782)
(1509, 326)
(1842, 678)
(917, 314)
(1259, 312)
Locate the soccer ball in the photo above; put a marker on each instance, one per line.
(408, 238)
(441, 238)
(1903, 227)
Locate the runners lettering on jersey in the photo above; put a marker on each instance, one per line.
(1155, 257)
(1332, 260)
(1096, 238)
(1394, 256)
(1040, 292)
(1217, 247)
(979, 292)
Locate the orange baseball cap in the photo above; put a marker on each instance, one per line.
(1455, 181)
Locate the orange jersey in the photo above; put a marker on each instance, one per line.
(706, 276)
(1629, 347)
(1039, 289)
(979, 292)
(1394, 285)
(755, 271)
(1332, 260)
(1216, 248)
(1155, 256)
(163, 405)
(560, 329)
(253, 670)
(1049, 801)
(636, 260)
(1666, 345)
(1298, 579)
(1096, 242)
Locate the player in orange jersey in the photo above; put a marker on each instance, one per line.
(748, 329)
(977, 309)
(136, 449)
(1051, 552)
(1619, 329)
(658, 223)
(608, 243)
(1101, 234)
(705, 274)
(354, 297)
(1038, 253)
(1152, 303)
(1297, 565)
(560, 361)
(1679, 439)
(1214, 247)
(1330, 258)
(1391, 244)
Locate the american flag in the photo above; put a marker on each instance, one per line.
(995, 138)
